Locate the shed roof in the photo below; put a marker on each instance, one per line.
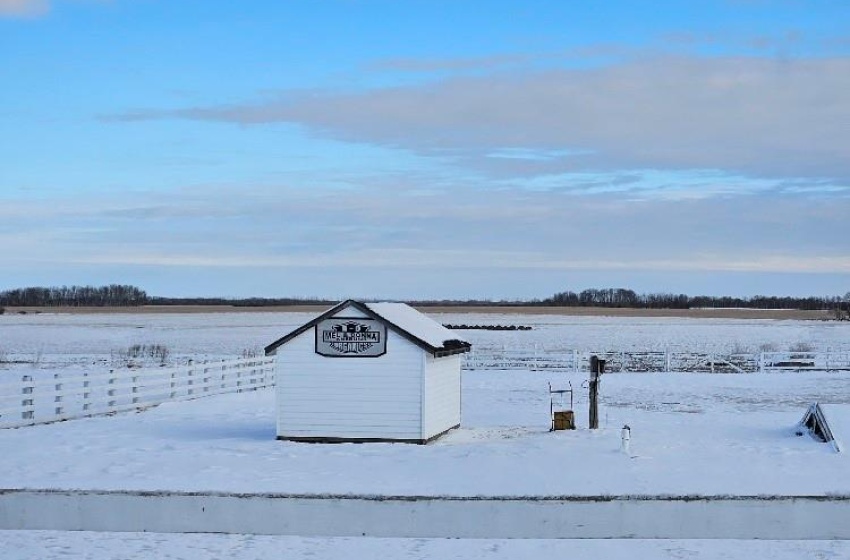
(416, 327)
(830, 423)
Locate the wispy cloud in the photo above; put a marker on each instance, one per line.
(23, 8)
(483, 260)
(760, 117)
(506, 229)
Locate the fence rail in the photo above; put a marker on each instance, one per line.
(658, 361)
(39, 399)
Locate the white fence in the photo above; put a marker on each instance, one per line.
(658, 361)
(40, 398)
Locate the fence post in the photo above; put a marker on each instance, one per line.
(134, 388)
(86, 393)
(206, 379)
(761, 362)
(27, 390)
(189, 380)
(597, 368)
(111, 392)
(667, 367)
(58, 409)
(262, 379)
(238, 379)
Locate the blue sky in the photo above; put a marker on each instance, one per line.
(411, 149)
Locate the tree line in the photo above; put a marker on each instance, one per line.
(240, 302)
(117, 295)
(114, 295)
(623, 297)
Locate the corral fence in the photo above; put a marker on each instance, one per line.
(657, 361)
(40, 397)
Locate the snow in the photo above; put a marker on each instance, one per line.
(62, 339)
(418, 324)
(690, 434)
(46, 545)
(689, 431)
(838, 419)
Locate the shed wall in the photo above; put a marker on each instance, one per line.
(349, 398)
(441, 402)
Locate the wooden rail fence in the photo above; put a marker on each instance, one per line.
(657, 361)
(42, 397)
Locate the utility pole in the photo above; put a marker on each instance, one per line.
(597, 368)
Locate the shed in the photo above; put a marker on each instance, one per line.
(368, 372)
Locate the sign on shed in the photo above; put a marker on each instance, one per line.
(351, 338)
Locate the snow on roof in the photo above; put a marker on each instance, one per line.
(416, 327)
(412, 321)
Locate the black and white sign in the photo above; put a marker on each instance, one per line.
(351, 338)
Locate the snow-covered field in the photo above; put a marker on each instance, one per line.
(688, 430)
(41, 545)
(90, 337)
(691, 434)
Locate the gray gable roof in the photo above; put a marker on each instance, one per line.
(412, 331)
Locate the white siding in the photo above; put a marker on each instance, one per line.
(349, 398)
(442, 394)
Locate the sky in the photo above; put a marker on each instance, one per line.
(426, 149)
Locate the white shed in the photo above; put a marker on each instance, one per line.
(368, 372)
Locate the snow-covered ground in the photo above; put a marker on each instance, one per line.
(689, 431)
(690, 434)
(43, 545)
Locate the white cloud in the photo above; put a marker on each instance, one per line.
(24, 8)
(758, 117)
(506, 229)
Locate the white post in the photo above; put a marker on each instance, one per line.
(57, 398)
(86, 393)
(111, 391)
(626, 437)
(534, 358)
(27, 391)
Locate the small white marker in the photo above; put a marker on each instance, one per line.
(626, 435)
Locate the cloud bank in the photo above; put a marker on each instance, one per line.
(759, 117)
(23, 8)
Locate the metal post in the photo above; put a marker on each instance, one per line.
(596, 368)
